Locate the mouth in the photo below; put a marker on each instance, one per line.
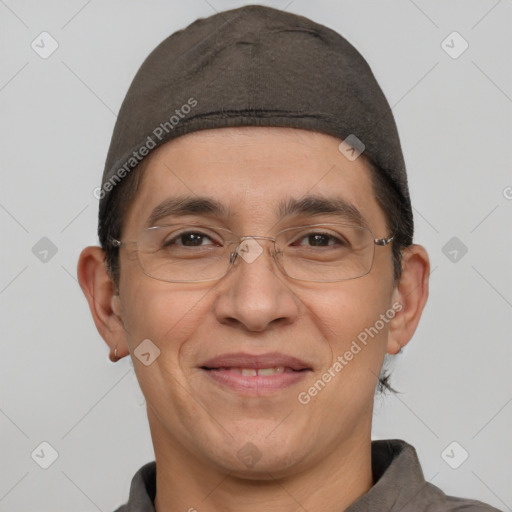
(255, 375)
(253, 372)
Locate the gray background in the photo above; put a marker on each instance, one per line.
(56, 119)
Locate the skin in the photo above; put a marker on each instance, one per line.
(315, 456)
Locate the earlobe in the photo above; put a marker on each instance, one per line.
(409, 297)
(103, 302)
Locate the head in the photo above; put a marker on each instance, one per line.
(340, 332)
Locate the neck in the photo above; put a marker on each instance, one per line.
(333, 482)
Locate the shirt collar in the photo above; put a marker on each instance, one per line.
(398, 480)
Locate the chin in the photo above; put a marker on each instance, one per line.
(254, 468)
(260, 456)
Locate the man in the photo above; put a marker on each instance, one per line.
(257, 264)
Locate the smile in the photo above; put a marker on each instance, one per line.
(255, 381)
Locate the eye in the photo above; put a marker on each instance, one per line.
(189, 239)
(321, 240)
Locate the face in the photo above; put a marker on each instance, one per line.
(290, 420)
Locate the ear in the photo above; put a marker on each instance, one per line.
(103, 300)
(409, 296)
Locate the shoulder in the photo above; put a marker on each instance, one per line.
(142, 490)
(400, 485)
(437, 501)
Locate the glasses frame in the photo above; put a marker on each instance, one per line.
(379, 242)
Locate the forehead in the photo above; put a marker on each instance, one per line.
(253, 172)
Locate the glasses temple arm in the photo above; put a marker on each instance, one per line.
(383, 241)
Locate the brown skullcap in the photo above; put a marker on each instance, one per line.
(254, 66)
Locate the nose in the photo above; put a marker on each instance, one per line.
(255, 294)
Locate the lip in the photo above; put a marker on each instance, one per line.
(256, 361)
(221, 370)
(255, 386)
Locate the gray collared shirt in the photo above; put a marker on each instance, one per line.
(399, 486)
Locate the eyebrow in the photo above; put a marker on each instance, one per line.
(186, 205)
(317, 205)
(307, 206)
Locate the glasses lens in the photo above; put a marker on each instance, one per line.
(184, 253)
(326, 253)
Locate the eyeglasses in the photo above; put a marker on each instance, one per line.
(186, 253)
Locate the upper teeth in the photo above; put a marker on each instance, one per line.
(252, 372)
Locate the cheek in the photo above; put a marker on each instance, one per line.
(168, 316)
(162, 312)
(350, 306)
(348, 315)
